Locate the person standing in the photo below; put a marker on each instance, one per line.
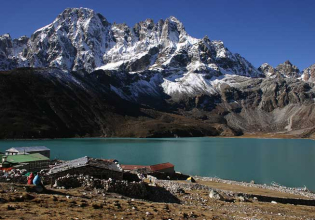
(30, 179)
(37, 181)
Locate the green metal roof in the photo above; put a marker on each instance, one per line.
(24, 158)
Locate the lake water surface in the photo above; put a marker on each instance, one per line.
(290, 162)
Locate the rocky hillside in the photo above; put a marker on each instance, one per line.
(84, 76)
(50, 103)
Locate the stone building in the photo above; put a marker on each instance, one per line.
(99, 168)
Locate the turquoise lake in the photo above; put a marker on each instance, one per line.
(289, 162)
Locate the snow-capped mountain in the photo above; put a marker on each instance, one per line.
(151, 80)
(12, 52)
(80, 38)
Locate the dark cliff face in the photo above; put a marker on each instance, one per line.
(50, 103)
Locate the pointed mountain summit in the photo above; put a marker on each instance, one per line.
(12, 52)
(75, 40)
(267, 69)
(288, 69)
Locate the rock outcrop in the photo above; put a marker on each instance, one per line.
(267, 70)
(50, 103)
(288, 69)
(309, 74)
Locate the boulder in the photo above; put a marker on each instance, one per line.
(215, 195)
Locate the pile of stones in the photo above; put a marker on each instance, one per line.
(13, 176)
(175, 187)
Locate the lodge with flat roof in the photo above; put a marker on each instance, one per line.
(31, 162)
(29, 150)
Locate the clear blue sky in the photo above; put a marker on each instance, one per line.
(270, 31)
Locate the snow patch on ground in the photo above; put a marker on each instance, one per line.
(111, 66)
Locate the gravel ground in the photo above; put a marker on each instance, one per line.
(18, 201)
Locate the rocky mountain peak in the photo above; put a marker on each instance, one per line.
(81, 12)
(175, 25)
(80, 38)
(74, 14)
(12, 51)
(7, 35)
(76, 39)
(287, 62)
(83, 18)
(288, 69)
(309, 74)
(267, 69)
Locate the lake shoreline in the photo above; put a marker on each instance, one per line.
(297, 191)
(266, 136)
(245, 135)
(240, 159)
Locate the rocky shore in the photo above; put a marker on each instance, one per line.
(304, 192)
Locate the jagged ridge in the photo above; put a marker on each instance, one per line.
(79, 38)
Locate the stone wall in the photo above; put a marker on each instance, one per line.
(100, 173)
